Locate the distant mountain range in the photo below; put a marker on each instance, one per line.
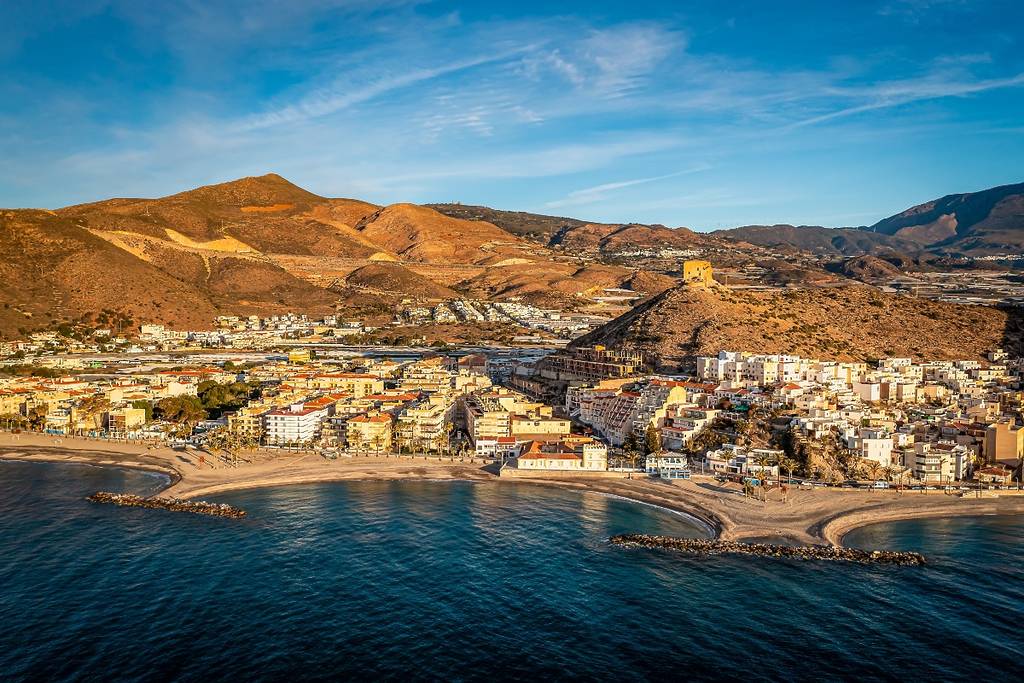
(986, 223)
(264, 245)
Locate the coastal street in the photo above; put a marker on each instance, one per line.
(806, 517)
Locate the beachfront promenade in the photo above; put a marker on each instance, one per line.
(805, 517)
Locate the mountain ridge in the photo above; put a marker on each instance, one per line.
(262, 244)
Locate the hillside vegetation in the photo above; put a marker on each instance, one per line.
(840, 323)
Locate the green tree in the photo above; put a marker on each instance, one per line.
(229, 441)
(183, 411)
(144, 405)
(631, 448)
(652, 440)
(873, 469)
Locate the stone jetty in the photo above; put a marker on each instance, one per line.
(701, 546)
(197, 507)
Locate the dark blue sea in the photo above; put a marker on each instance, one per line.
(463, 581)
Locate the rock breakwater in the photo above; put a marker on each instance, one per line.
(197, 507)
(808, 552)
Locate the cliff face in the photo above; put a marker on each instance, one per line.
(841, 323)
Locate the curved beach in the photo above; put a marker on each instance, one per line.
(808, 516)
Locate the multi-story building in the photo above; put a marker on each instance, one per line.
(123, 420)
(630, 409)
(352, 383)
(871, 444)
(247, 421)
(296, 424)
(1004, 442)
(937, 462)
(370, 432)
(424, 425)
(539, 428)
(668, 465)
(590, 364)
(489, 414)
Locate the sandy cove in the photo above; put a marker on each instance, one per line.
(808, 517)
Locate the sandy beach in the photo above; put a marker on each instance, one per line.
(807, 517)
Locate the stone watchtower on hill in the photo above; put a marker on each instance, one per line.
(697, 274)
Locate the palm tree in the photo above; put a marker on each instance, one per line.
(873, 468)
(631, 449)
(378, 442)
(763, 463)
(13, 420)
(224, 439)
(788, 464)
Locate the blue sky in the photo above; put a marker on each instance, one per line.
(703, 114)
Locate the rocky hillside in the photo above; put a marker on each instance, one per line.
(817, 240)
(532, 226)
(263, 245)
(976, 223)
(867, 269)
(52, 269)
(572, 235)
(983, 223)
(393, 278)
(418, 233)
(843, 323)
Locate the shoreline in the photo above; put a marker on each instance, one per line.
(173, 475)
(719, 511)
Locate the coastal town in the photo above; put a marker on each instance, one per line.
(473, 341)
(242, 394)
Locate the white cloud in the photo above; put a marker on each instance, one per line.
(344, 93)
(597, 193)
(893, 94)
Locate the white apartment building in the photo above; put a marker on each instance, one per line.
(871, 444)
(293, 425)
(937, 462)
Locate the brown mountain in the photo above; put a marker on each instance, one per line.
(613, 239)
(977, 223)
(867, 269)
(393, 278)
(573, 235)
(532, 226)
(817, 240)
(53, 269)
(989, 222)
(418, 233)
(261, 245)
(266, 214)
(844, 323)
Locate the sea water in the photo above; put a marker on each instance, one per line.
(471, 581)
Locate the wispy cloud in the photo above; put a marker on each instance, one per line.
(895, 94)
(342, 94)
(597, 193)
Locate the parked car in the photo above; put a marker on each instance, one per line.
(880, 485)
